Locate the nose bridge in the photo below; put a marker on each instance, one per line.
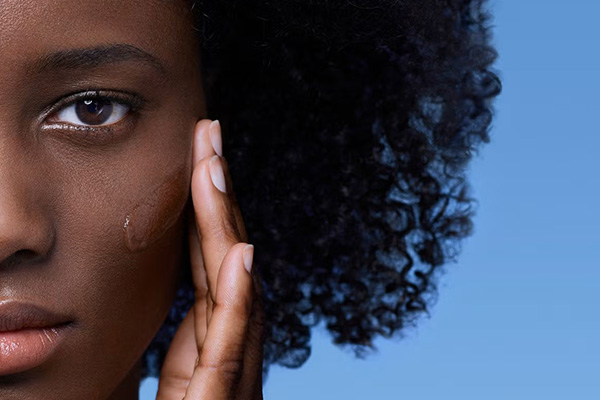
(24, 229)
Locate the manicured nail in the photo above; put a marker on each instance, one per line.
(216, 173)
(248, 254)
(214, 131)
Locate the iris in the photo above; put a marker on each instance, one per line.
(94, 111)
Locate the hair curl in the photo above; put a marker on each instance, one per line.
(348, 126)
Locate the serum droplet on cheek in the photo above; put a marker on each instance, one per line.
(158, 211)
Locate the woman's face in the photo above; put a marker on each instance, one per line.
(98, 101)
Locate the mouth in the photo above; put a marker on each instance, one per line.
(29, 335)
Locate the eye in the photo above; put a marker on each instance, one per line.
(92, 111)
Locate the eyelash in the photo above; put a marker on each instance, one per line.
(133, 102)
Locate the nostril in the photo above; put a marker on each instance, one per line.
(25, 255)
(18, 257)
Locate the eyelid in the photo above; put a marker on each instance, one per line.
(93, 135)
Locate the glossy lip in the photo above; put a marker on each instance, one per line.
(15, 316)
(29, 335)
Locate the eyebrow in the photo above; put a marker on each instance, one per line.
(97, 56)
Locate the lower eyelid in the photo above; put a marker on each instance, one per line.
(81, 135)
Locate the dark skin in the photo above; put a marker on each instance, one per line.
(102, 135)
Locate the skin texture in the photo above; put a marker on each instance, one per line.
(92, 220)
(154, 215)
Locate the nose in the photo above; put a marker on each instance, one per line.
(26, 234)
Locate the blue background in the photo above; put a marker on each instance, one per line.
(517, 316)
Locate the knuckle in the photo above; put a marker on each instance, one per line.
(230, 369)
(200, 294)
(232, 307)
(257, 322)
(220, 236)
(176, 383)
(230, 230)
(256, 333)
(222, 229)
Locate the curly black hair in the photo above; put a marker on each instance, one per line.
(347, 125)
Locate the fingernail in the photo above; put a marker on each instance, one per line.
(216, 173)
(214, 131)
(248, 254)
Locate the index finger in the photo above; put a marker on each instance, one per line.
(214, 213)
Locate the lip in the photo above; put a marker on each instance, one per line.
(29, 335)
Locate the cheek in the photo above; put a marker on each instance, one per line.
(156, 211)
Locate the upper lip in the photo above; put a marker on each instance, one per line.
(15, 316)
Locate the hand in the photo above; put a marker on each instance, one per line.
(216, 353)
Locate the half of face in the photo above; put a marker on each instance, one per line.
(98, 104)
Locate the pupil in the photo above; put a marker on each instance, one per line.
(93, 111)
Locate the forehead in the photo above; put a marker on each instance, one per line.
(30, 28)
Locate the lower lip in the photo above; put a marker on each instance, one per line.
(27, 348)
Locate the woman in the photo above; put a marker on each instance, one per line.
(348, 126)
